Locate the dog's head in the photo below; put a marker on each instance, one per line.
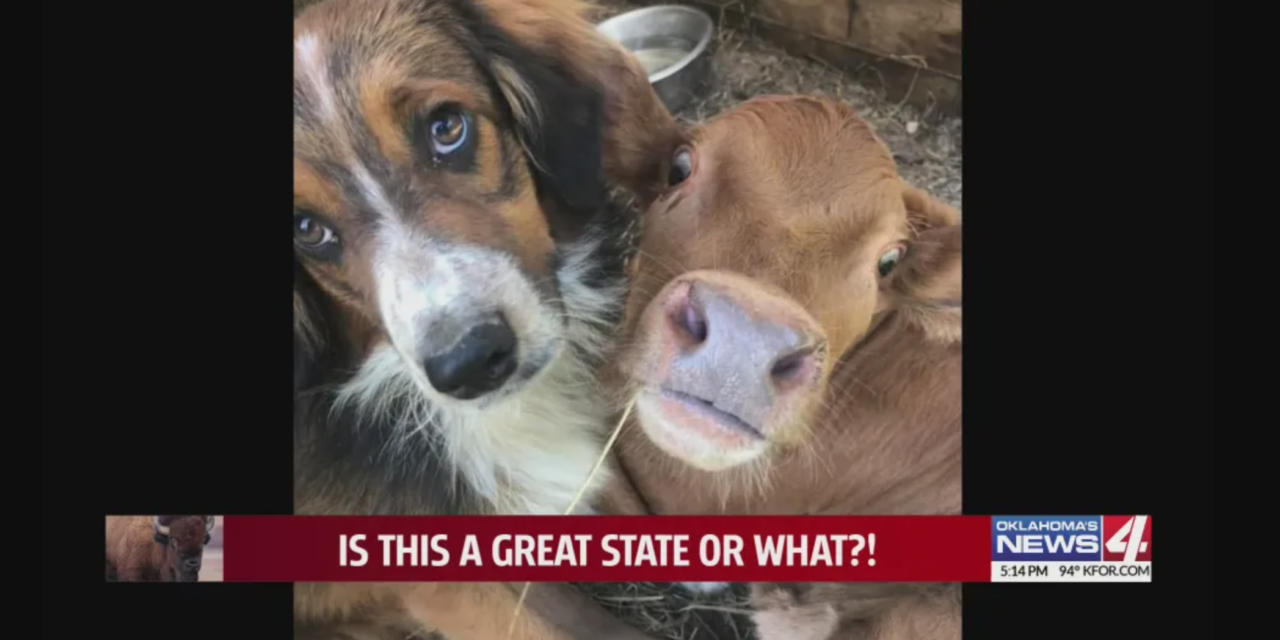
(443, 150)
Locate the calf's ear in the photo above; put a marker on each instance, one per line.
(926, 212)
(927, 285)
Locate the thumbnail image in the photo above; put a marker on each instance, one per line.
(164, 549)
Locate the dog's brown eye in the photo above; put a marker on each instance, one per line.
(312, 233)
(890, 259)
(449, 130)
(681, 166)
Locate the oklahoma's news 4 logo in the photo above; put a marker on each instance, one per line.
(1071, 538)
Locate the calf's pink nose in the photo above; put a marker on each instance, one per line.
(730, 350)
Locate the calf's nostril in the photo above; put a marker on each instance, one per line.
(691, 322)
(789, 367)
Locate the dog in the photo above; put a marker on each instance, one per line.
(460, 268)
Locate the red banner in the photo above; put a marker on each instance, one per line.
(607, 549)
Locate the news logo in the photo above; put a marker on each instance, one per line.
(1071, 548)
(1046, 538)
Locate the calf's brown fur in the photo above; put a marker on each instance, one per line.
(793, 212)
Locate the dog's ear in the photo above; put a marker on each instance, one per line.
(303, 356)
(582, 101)
(307, 336)
(928, 285)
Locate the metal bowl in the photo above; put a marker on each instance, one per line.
(671, 42)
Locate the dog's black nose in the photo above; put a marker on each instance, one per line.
(478, 363)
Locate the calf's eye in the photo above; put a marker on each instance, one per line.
(681, 166)
(890, 259)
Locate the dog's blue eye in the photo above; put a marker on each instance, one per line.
(449, 130)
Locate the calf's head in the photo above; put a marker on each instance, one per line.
(184, 538)
(784, 237)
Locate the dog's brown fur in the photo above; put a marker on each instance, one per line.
(387, 60)
(799, 196)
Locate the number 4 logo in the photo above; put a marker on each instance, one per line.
(1128, 539)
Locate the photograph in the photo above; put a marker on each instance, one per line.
(164, 549)
(522, 225)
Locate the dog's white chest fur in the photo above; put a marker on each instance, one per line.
(527, 455)
(535, 455)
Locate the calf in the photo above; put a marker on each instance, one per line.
(156, 548)
(795, 345)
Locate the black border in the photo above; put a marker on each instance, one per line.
(167, 144)
(1088, 189)
(1088, 182)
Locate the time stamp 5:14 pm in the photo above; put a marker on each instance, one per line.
(1071, 572)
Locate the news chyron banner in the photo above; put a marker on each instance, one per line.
(687, 549)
